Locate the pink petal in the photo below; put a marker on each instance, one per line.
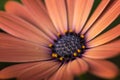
(95, 15)
(105, 51)
(15, 50)
(63, 73)
(105, 37)
(105, 20)
(78, 66)
(57, 13)
(34, 72)
(21, 29)
(102, 68)
(24, 13)
(81, 12)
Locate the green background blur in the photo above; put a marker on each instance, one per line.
(86, 76)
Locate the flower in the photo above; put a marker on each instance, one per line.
(57, 40)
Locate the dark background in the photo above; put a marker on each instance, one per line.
(85, 76)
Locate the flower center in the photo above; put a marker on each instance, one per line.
(68, 47)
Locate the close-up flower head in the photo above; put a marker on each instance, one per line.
(59, 39)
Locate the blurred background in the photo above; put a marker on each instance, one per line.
(85, 76)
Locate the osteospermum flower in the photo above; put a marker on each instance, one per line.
(57, 40)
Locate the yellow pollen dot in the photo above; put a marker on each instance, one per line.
(61, 58)
(54, 55)
(50, 45)
(78, 50)
(83, 47)
(75, 54)
(82, 36)
(58, 34)
(65, 31)
(71, 31)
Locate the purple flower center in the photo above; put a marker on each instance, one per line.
(68, 47)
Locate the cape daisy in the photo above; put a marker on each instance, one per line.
(57, 40)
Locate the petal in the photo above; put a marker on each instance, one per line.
(19, 10)
(105, 51)
(57, 13)
(59, 74)
(46, 74)
(70, 13)
(95, 15)
(84, 65)
(105, 37)
(21, 29)
(26, 14)
(13, 71)
(34, 72)
(78, 66)
(102, 68)
(67, 75)
(105, 20)
(17, 70)
(15, 50)
(81, 12)
(63, 73)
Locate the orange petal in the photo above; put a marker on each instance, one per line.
(81, 12)
(105, 20)
(57, 13)
(78, 67)
(59, 74)
(70, 9)
(67, 75)
(63, 73)
(102, 68)
(38, 69)
(13, 71)
(95, 15)
(46, 74)
(15, 50)
(17, 70)
(83, 64)
(105, 51)
(105, 37)
(35, 12)
(19, 10)
(21, 29)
